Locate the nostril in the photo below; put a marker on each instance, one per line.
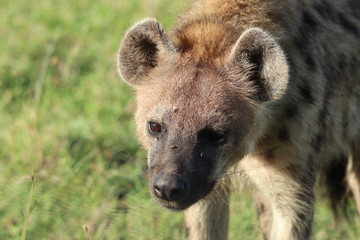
(157, 192)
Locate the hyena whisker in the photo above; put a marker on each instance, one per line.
(229, 173)
(194, 170)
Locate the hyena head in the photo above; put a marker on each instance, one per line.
(195, 111)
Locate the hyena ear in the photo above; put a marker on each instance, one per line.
(260, 52)
(143, 46)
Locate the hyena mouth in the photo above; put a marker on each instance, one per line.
(177, 193)
(173, 206)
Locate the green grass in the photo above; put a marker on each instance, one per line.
(70, 164)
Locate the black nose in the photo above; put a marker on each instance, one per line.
(170, 187)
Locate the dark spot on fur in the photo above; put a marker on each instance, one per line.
(265, 141)
(305, 32)
(306, 196)
(301, 216)
(283, 134)
(291, 111)
(197, 73)
(292, 169)
(200, 65)
(310, 61)
(306, 93)
(260, 209)
(317, 143)
(269, 154)
(308, 19)
(305, 38)
(348, 25)
(300, 43)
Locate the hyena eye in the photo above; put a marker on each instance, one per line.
(154, 127)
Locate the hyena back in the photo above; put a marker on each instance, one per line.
(268, 88)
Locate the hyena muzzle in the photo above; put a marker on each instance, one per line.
(265, 91)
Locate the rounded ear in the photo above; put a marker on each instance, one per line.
(143, 46)
(260, 51)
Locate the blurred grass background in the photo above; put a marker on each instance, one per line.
(70, 164)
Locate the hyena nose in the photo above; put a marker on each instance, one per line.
(170, 187)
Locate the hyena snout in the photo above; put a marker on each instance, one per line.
(170, 187)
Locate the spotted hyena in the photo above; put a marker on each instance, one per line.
(268, 89)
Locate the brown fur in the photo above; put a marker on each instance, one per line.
(268, 89)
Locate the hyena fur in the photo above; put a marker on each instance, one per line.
(269, 89)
